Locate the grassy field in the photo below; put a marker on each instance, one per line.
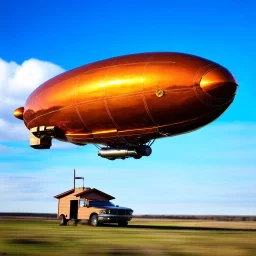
(141, 237)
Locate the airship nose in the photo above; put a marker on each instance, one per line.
(219, 83)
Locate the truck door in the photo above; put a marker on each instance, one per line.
(73, 209)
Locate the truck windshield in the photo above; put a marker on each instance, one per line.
(100, 204)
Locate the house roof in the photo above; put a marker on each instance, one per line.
(65, 193)
(94, 190)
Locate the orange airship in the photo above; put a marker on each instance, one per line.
(125, 103)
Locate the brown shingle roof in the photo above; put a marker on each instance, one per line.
(65, 193)
(95, 190)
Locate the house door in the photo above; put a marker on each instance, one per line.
(73, 209)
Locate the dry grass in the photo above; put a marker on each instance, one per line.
(140, 238)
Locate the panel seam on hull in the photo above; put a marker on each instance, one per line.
(76, 106)
(143, 95)
(111, 136)
(156, 127)
(45, 114)
(101, 99)
(94, 69)
(56, 84)
(105, 98)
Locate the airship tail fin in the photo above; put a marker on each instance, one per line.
(18, 113)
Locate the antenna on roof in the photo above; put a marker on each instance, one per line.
(74, 178)
(77, 178)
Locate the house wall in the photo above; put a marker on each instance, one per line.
(83, 212)
(64, 203)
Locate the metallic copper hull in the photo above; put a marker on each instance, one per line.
(132, 99)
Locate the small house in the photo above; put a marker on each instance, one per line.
(72, 203)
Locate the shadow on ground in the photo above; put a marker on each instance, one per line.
(158, 227)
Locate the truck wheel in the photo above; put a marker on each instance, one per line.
(123, 224)
(62, 220)
(94, 220)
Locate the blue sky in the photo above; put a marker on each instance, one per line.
(210, 171)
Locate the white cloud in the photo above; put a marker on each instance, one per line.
(16, 83)
(11, 131)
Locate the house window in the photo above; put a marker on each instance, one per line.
(82, 203)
